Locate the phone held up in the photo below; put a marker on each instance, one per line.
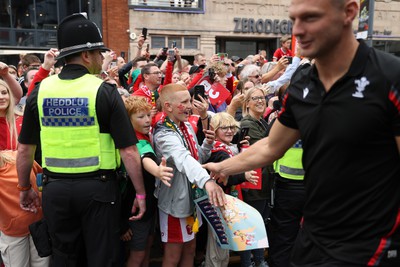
(242, 134)
(290, 59)
(144, 33)
(171, 54)
(199, 90)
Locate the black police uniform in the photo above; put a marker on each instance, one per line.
(81, 210)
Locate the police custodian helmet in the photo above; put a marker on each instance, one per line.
(76, 34)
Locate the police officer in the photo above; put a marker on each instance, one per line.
(287, 211)
(81, 122)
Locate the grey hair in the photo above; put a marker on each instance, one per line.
(248, 70)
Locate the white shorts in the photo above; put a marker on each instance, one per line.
(176, 230)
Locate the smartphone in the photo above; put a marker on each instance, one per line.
(144, 33)
(147, 48)
(222, 56)
(171, 54)
(123, 54)
(173, 44)
(242, 134)
(199, 90)
(113, 64)
(290, 59)
(211, 75)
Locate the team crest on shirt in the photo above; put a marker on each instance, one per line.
(361, 84)
(392, 254)
(305, 92)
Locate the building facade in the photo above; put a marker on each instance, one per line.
(210, 26)
(237, 27)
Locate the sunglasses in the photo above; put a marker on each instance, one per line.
(257, 98)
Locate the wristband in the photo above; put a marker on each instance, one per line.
(24, 188)
(203, 119)
(138, 196)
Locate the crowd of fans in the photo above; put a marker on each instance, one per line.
(247, 89)
(198, 128)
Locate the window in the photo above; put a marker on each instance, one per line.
(33, 23)
(185, 6)
(191, 42)
(157, 41)
(176, 39)
(182, 42)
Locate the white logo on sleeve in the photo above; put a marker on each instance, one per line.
(392, 254)
(305, 92)
(361, 84)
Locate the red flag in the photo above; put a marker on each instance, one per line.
(217, 93)
(294, 44)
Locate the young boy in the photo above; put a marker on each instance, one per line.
(175, 140)
(141, 232)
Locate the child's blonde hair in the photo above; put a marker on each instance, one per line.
(7, 157)
(222, 119)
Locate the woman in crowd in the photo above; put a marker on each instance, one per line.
(253, 110)
(16, 244)
(10, 124)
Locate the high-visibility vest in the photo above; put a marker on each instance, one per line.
(70, 133)
(290, 165)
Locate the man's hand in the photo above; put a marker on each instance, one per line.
(216, 195)
(282, 63)
(141, 41)
(3, 69)
(216, 174)
(141, 204)
(50, 58)
(29, 200)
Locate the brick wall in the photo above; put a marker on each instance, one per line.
(115, 15)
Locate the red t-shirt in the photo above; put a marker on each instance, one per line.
(279, 53)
